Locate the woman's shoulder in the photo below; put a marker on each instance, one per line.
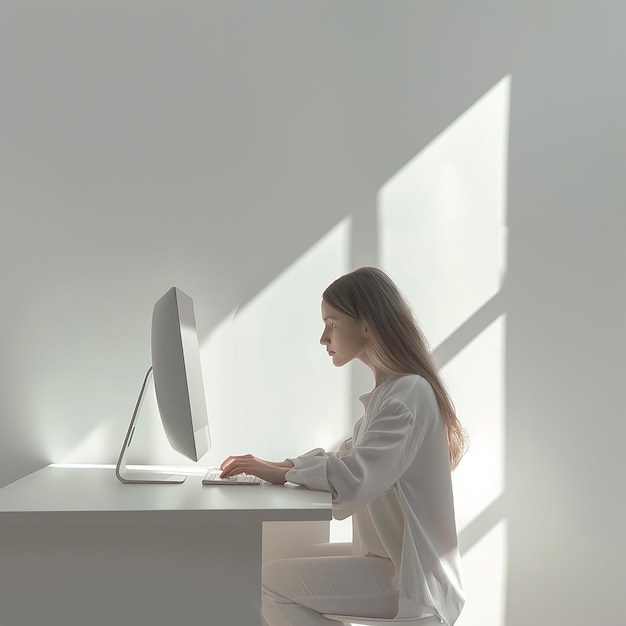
(412, 390)
(407, 383)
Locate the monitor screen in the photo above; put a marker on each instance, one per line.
(179, 386)
(178, 374)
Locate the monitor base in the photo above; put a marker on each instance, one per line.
(131, 476)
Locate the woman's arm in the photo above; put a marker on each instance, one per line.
(378, 459)
(272, 471)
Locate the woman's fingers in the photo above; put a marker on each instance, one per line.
(251, 465)
(237, 464)
(233, 459)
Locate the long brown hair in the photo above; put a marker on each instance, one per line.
(397, 344)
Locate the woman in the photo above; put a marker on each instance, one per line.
(392, 476)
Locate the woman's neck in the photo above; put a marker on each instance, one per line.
(380, 375)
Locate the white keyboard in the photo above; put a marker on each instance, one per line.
(212, 477)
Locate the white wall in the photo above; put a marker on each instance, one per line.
(566, 337)
(215, 145)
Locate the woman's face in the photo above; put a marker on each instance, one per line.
(345, 338)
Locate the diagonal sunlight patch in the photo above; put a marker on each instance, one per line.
(442, 236)
(485, 566)
(475, 378)
(270, 387)
(442, 218)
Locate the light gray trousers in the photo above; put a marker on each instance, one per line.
(327, 579)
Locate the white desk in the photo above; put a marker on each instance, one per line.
(78, 548)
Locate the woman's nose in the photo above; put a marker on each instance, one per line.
(324, 339)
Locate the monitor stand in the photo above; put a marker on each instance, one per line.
(147, 476)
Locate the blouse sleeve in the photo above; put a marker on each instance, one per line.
(343, 448)
(297, 460)
(364, 472)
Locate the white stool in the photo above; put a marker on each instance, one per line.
(431, 620)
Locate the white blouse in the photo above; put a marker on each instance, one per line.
(393, 477)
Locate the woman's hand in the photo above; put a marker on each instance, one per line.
(249, 464)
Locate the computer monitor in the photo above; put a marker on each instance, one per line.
(179, 387)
